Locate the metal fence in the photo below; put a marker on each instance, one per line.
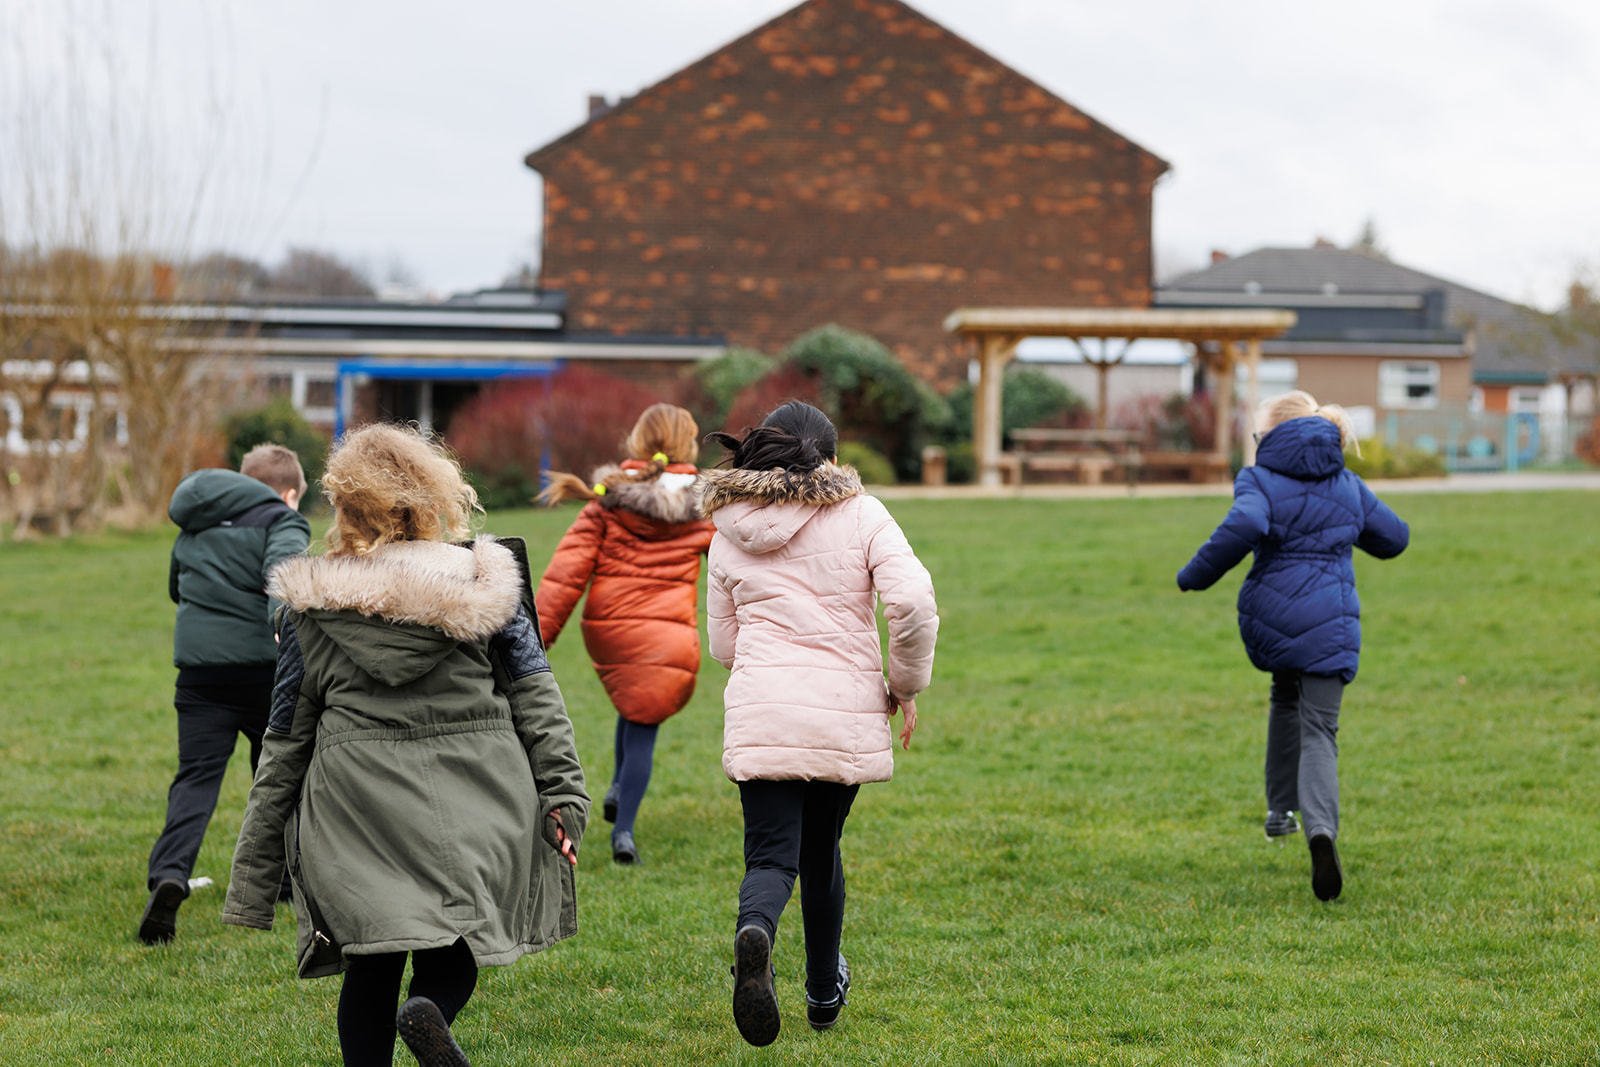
(1480, 441)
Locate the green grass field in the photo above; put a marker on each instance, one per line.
(1069, 866)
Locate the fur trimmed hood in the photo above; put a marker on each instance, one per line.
(671, 497)
(828, 484)
(468, 594)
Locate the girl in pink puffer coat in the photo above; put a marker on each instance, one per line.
(799, 559)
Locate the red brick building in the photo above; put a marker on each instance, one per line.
(850, 161)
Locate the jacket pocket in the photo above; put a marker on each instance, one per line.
(318, 953)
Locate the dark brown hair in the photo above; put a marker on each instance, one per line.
(795, 437)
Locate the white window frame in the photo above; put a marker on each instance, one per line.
(1525, 399)
(1397, 377)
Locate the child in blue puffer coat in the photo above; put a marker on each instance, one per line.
(1300, 511)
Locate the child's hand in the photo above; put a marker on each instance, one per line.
(564, 844)
(909, 709)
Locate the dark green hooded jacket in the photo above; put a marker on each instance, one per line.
(235, 530)
(416, 748)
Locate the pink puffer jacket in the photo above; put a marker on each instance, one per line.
(794, 566)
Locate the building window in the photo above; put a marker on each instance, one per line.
(1408, 385)
(319, 393)
(1525, 400)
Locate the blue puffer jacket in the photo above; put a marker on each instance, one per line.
(1300, 512)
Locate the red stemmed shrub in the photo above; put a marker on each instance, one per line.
(574, 421)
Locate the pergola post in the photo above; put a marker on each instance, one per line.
(994, 353)
(1223, 405)
(1252, 397)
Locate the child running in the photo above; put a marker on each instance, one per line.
(636, 548)
(800, 557)
(418, 764)
(235, 528)
(1300, 511)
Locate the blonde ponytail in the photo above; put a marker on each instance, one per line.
(663, 435)
(1299, 404)
(562, 487)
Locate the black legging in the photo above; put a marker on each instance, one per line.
(792, 829)
(370, 996)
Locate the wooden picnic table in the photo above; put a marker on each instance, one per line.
(1088, 454)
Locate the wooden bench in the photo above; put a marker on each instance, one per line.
(1194, 466)
(1088, 455)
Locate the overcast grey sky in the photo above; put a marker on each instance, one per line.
(396, 130)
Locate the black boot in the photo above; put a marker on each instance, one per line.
(1327, 877)
(427, 1035)
(159, 923)
(755, 1002)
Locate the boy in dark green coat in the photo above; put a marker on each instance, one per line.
(236, 526)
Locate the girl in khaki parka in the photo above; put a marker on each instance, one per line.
(418, 773)
(636, 548)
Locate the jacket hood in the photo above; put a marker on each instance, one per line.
(1306, 449)
(428, 595)
(671, 497)
(209, 497)
(761, 511)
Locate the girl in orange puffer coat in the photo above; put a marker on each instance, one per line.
(636, 547)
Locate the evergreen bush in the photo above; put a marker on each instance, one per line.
(278, 423)
(873, 466)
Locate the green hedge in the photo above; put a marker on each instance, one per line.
(873, 467)
(1380, 460)
(1030, 398)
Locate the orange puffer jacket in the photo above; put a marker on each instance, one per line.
(637, 550)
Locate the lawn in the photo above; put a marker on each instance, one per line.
(1069, 866)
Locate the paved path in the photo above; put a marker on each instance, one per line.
(1456, 483)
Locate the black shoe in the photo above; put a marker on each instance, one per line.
(1281, 824)
(427, 1035)
(608, 806)
(623, 850)
(822, 1014)
(755, 1002)
(1327, 879)
(159, 923)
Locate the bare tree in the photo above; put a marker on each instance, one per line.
(309, 272)
(223, 275)
(105, 176)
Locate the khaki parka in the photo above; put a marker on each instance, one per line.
(416, 748)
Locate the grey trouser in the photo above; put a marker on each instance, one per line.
(1303, 749)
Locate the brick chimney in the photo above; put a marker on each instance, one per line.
(1219, 256)
(163, 281)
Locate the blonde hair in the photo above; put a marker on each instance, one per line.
(278, 467)
(662, 435)
(393, 483)
(1300, 404)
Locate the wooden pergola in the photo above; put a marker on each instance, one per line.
(1222, 339)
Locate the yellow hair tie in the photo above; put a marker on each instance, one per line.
(599, 488)
(660, 457)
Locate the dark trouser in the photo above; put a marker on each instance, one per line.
(370, 996)
(793, 828)
(210, 720)
(635, 750)
(1303, 749)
